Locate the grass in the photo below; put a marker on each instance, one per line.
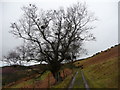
(30, 81)
(65, 83)
(43, 76)
(103, 75)
(23, 84)
(14, 74)
(78, 81)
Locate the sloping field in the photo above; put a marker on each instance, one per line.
(101, 71)
(101, 57)
(103, 75)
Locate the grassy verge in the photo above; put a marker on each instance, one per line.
(102, 75)
(65, 83)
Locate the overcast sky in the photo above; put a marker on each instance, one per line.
(106, 31)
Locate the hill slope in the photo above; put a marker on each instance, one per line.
(11, 74)
(100, 57)
(101, 70)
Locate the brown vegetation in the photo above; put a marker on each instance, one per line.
(103, 56)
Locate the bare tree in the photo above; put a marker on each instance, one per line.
(12, 58)
(54, 35)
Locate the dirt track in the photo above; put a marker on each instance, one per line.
(72, 82)
(83, 78)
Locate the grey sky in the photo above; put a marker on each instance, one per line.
(106, 30)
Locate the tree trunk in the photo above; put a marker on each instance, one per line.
(54, 68)
(57, 76)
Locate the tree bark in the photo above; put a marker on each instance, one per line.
(57, 76)
(54, 68)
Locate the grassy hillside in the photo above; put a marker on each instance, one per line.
(103, 75)
(100, 57)
(101, 70)
(33, 80)
(11, 74)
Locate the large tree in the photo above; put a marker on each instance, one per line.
(54, 35)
